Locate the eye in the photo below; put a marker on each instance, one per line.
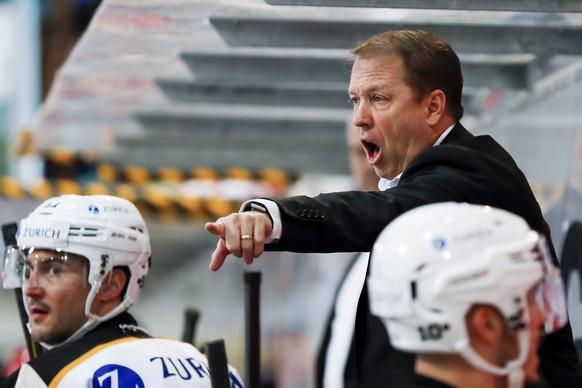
(378, 99)
(55, 269)
(381, 101)
(353, 100)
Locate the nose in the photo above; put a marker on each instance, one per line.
(33, 291)
(33, 280)
(362, 118)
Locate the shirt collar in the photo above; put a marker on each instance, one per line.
(385, 184)
(443, 135)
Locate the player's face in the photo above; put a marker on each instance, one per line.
(55, 290)
(537, 318)
(510, 346)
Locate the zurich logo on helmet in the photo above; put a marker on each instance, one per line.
(93, 209)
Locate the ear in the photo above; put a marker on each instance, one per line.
(112, 286)
(435, 106)
(485, 325)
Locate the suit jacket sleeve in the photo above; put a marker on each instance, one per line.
(350, 221)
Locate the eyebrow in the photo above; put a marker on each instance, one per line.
(50, 259)
(373, 89)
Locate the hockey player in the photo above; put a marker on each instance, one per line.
(81, 262)
(468, 288)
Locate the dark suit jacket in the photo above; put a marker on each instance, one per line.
(464, 168)
(563, 213)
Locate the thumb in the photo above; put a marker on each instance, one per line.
(215, 228)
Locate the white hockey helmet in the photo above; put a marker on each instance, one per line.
(108, 231)
(430, 265)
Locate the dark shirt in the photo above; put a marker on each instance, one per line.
(49, 364)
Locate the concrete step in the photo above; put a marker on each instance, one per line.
(328, 160)
(475, 5)
(313, 94)
(274, 140)
(247, 65)
(226, 135)
(475, 35)
(220, 120)
(266, 65)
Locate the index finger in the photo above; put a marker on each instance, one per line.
(218, 256)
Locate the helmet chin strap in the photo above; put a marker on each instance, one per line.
(87, 326)
(92, 319)
(512, 369)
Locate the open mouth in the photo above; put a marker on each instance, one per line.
(371, 149)
(38, 312)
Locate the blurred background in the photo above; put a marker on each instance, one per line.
(190, 107)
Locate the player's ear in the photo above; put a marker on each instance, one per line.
(485, 324)
(113, 285)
